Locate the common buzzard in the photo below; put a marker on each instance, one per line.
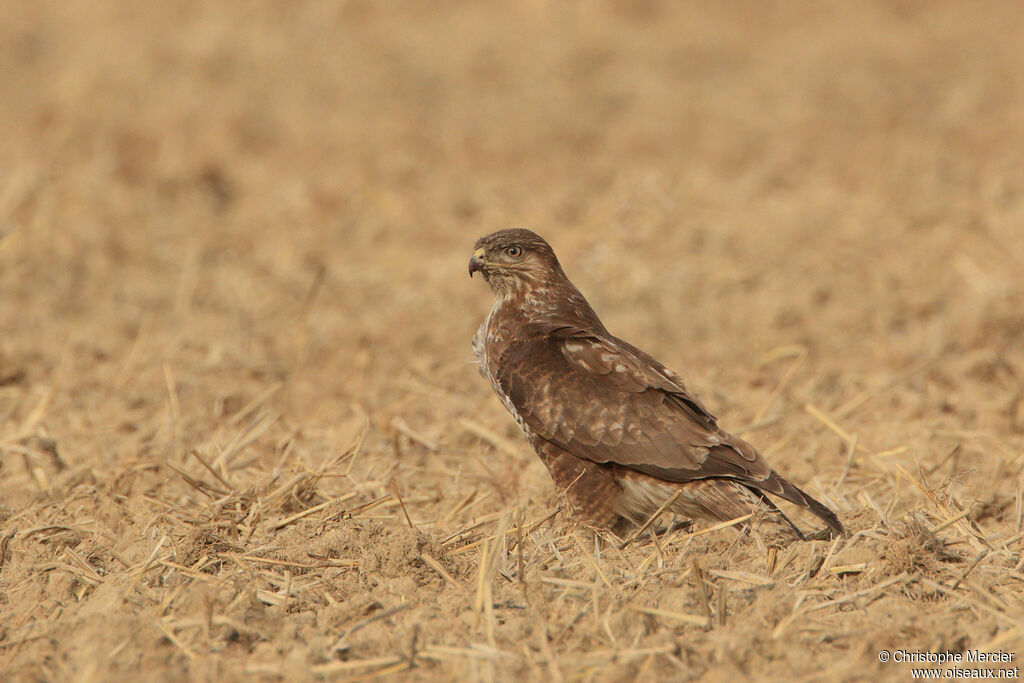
(618, 431)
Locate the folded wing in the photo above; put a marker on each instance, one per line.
(604, 400)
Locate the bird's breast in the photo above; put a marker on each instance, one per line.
(489, 343)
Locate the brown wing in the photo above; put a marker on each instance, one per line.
(604, 400)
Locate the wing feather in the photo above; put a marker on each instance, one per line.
(602, 399)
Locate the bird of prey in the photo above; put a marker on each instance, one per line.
(620, 433)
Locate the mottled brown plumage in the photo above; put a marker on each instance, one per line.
(618, 431)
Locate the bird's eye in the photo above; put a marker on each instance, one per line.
(513, 252)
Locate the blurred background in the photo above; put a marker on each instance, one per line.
(722, 178)
(791, 204)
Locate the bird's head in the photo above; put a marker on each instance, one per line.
(514, 261)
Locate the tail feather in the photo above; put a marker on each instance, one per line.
(794, 494)
(775, 510)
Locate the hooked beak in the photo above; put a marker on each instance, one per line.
(476, 263)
